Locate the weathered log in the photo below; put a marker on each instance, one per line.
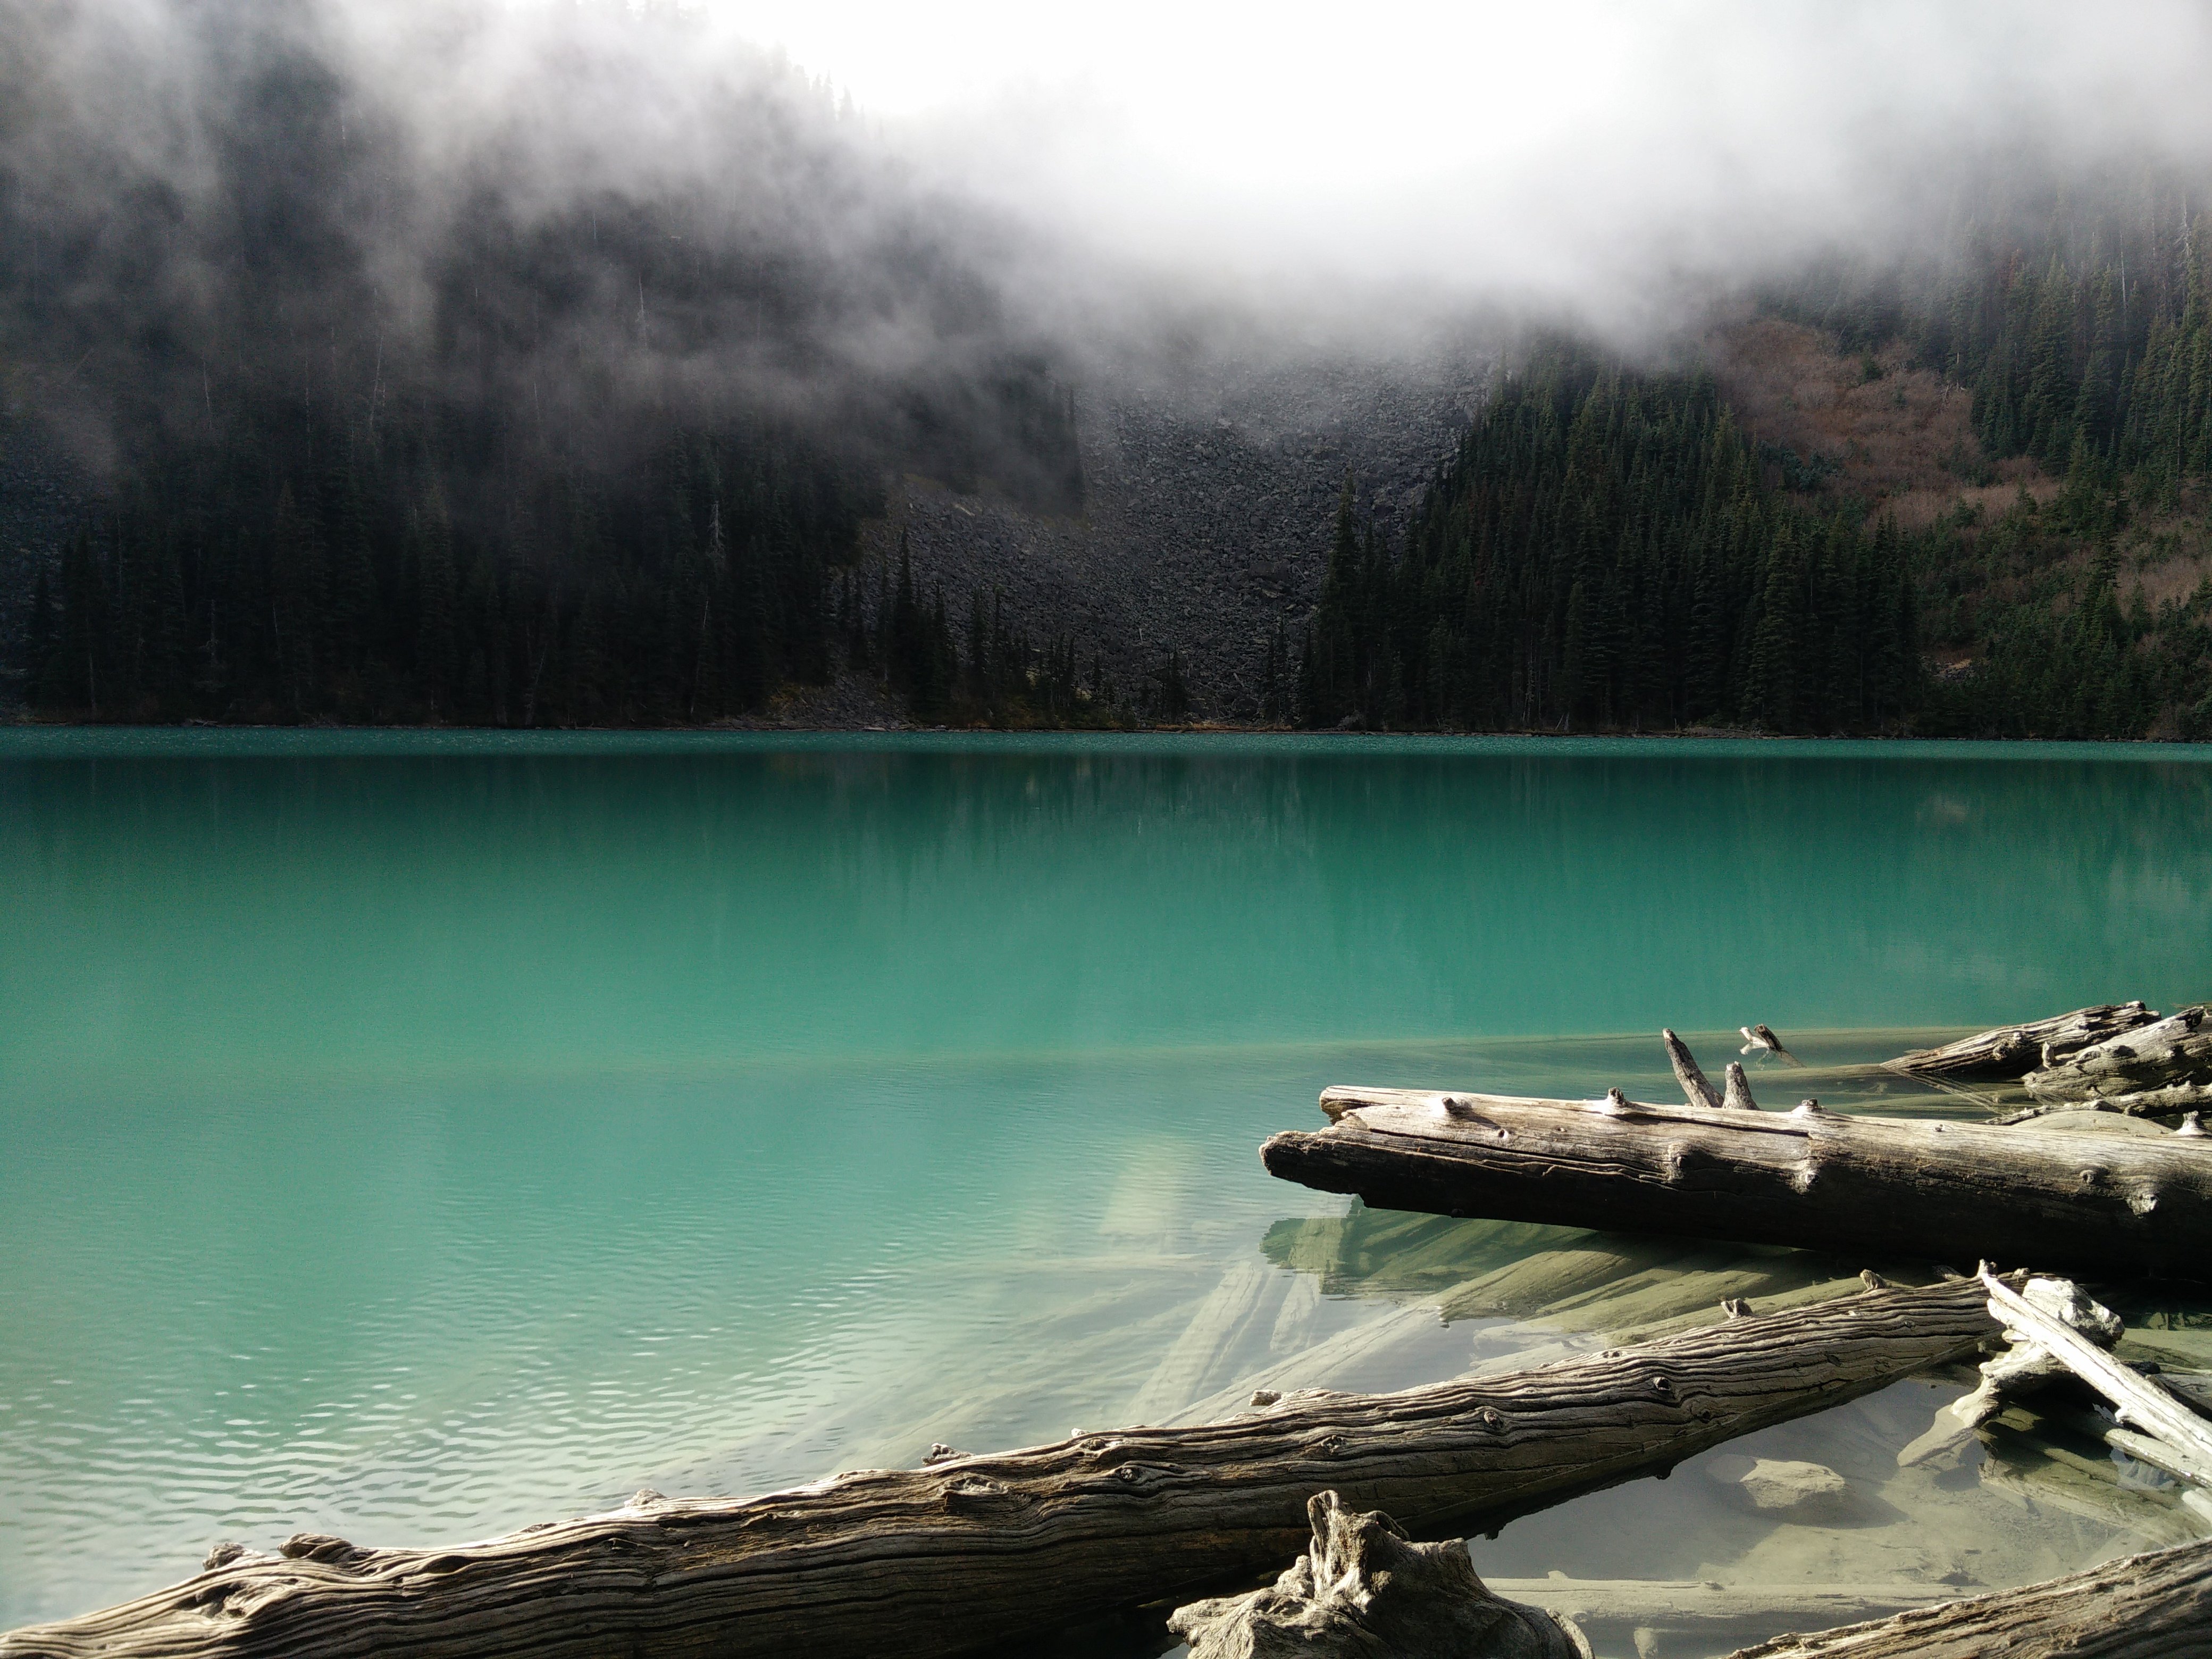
(1915, 1188)
(1697, 1088)
(1363, 1589)
(2138, 1400)
(2012, 1051)
(2181, 1100)
(2027, 1365)
(2097, 1116)
(2157, 1606)
(2174, 1100)
(976, 1550)
(2172, 1052)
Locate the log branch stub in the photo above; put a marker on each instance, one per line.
(1363, 1589)
(1897, 1187)
(1697, 1088)
(2157, 1606)
(1737, 1096)
(1000, 1545)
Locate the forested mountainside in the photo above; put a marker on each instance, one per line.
(2081, 325)
(1618, 549)
(1603, 554)
(560, 421)
(577, 441)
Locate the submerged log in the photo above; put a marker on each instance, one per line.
(1715, 1612)
(1363, 1589)
(2157, 1606)
(977, 1550)
(2171, 1053)
(1919, 1189)
(2012, 1051)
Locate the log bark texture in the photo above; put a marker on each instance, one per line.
(2169, 1054)
(1363, 1589)
(2012, 1051)
(1925, 1188)
(2157, 1606)
(977, 1550)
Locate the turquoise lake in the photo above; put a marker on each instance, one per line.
(411, 1136)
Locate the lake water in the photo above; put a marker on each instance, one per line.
(411, 1136)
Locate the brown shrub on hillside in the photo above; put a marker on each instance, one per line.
(1902, 440)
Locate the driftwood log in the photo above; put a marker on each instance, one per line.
(2167, 1054)
(2014, 1051)
(976, 1550)
(2157, 1606)
(1361, 1590)
(2155, 1425)
(2028, 1366)
(1922, 1188)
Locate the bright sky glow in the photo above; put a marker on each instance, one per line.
(1404, 136)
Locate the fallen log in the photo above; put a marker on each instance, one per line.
(2027, 1365)
(2094, 1115)
(2172, 1425)
(1617, 1607)
(1362, 1588)
(975, 1550)
(2157, 1606)
(1920, 1188)
(2012, 1051)
(2169, 1053)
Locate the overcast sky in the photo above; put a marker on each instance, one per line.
(1535, 144)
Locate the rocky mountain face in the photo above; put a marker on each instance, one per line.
(1208, 507)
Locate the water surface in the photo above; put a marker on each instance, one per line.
(411, 1136)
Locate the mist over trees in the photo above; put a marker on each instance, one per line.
(517, 423)
(2080, 316)
(529, 366)
(1607, 551)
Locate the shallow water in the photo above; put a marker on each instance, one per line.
(411, 1136)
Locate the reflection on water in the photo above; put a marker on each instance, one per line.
(412, 1145)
